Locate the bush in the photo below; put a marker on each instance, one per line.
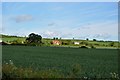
(92, 46)
(65, 43)
(83, 47)
(75, 71)
(9, 70)
(3, 43)
(111, 44)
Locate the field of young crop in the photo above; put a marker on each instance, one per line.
(93, 62)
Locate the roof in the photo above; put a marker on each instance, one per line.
(56, 42)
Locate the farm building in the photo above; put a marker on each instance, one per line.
(56, 42)
(76, 43)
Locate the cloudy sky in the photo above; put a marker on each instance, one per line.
(80, 20)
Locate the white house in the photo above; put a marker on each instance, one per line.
(76, 43)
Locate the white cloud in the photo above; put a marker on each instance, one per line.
(102, 30)
(50, 34)
(51, 24)
(98, 30)
(104, 27)
(23, 18)
(102, 36)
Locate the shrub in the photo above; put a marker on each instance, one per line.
(65, 43)
(92, 46)
(9, 70)
(111, 44)
(83, 47)
(3, 43)
(76, 68)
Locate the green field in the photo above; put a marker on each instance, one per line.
(99, 62)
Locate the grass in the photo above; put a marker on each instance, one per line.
(93, 62)
(47, 41)
(12, 39)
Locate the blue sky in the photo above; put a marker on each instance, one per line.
(80, 20)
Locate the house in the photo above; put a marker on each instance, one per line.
(56, 42)
(76, 43)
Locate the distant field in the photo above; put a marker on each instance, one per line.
(47, 42)
(12, 39)
(100, 62)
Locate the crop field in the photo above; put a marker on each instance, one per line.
(99, 62)
(12, 39)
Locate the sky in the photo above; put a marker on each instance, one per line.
(60, 0)
(79, 20)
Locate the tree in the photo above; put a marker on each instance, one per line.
(94, 40)
(53, 38)
(87, 39)
(34, 39)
